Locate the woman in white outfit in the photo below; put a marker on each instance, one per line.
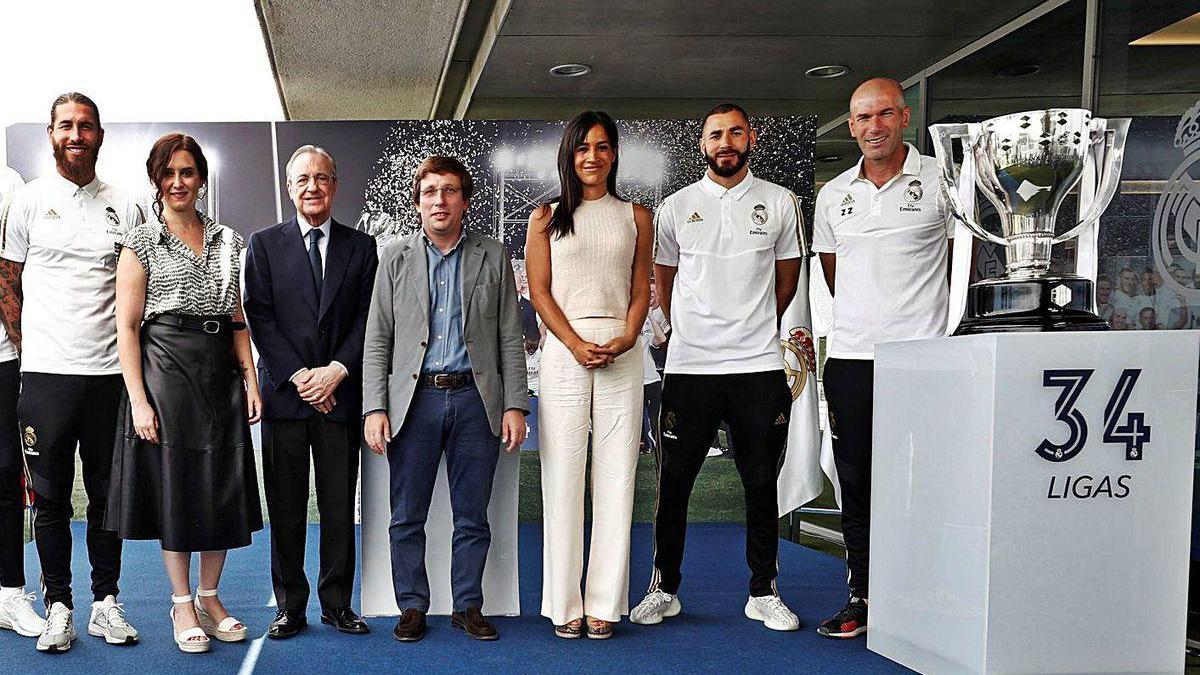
(588, 259)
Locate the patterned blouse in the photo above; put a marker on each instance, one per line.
(180, 282)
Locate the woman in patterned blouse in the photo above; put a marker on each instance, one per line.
(183, 467)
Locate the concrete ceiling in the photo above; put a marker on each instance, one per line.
(359, 59)
(490, 58)
(386, 59)
(678, 57)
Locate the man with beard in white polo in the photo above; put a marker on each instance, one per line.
(727, 264)
(58, 296)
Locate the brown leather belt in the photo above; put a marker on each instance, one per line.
(445, 380)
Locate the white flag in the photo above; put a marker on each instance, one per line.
(800, 478)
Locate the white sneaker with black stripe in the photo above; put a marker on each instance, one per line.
(656, 606)
(59, 632)
(770, 610)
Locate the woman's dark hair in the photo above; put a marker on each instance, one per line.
(562, 222)
(160, 158)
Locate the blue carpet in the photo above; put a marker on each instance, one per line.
(711, 635)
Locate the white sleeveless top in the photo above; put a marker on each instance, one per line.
(590, 270)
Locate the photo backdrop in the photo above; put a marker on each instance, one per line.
(513, 164)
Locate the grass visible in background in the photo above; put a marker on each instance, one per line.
(716, 498)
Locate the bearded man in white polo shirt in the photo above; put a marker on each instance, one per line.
(58, 296)
(726, 266)
(881, 231)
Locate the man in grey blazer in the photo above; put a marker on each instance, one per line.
(444, 368)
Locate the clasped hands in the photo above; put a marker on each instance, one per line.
(316, 386)
(591, 355)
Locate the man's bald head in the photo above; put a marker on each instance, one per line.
(878, 117)
(876, 88)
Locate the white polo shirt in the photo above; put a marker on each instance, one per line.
(890, 243)
(66, 236)
(10, 182)
(725, 244)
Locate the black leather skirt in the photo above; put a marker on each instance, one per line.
(197, 489)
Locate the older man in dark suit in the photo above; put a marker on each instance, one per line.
(308, 290)
(444, 369)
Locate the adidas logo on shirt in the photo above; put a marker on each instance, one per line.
(695, 218)
(847, 200)
(52, 215)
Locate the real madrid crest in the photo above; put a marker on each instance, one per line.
(1176, 235)
(30, 437)
(759, 215)
(913, 192)
(799, 359)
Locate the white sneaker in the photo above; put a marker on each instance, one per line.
(108, 621)
(59, 632)
(656, 606)
(770, 610)
(17, 614)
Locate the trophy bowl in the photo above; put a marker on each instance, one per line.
(1025, 164)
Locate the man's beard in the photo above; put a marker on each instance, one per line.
(727, 171)
(76, 168)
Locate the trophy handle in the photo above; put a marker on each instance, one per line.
(1111, 159)
(943, 147)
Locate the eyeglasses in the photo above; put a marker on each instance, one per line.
(321, 180)
(431, 193)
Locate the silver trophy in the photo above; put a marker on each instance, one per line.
(1025, 164)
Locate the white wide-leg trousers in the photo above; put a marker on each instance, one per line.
(608, 403)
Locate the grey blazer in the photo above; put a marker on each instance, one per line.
(398, 328)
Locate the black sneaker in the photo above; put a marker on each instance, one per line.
(850, 622)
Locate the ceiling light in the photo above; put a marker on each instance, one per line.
(826, 72)
(1020, 70)
(826, 159)
(1183, 32)
(570, 70)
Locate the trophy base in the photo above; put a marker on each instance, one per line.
(1052, 303)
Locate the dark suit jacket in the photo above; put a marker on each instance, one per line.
(295, 329)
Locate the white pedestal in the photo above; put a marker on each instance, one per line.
(501, 588)
(988, 557)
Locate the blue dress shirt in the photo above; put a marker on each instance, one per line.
(447, 350)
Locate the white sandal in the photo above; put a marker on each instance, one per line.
(190, 640)
(229, 630)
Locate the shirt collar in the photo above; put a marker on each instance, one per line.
(912, 165)
(305, 228)
(717, 190)
(91, 189)
(430, 246)
(212, 229)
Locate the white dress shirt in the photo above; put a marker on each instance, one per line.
(323, 247)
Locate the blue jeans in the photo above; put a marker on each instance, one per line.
(452, 421)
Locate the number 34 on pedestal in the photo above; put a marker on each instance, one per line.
(1131, 431)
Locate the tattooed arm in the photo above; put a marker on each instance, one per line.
(10, 299)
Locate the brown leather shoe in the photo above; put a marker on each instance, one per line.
(411, 626)
(472, 622)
